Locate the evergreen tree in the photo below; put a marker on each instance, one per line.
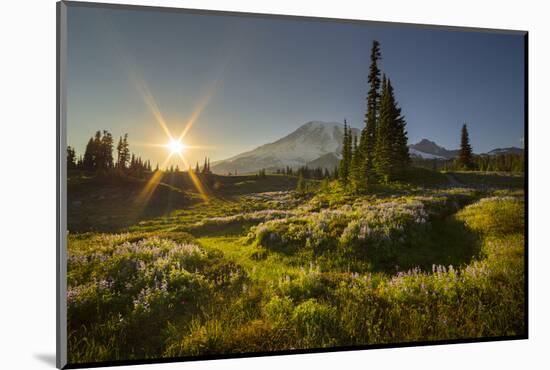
(197, 169)
(400, 148)
(391, 153)
(119, 153)
(368, 134)
(465, 157)
(88, 161)
(205, 166)
(98, 154)
(71, 158)
(383, 161)
(123, 152)
(107, 150)
(356, 166)
(344, 165)
(132, 162)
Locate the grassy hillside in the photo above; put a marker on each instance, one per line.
(505, 180)
(111, 203)
(279, 270)
(221, 186)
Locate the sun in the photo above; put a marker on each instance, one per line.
(175, 146)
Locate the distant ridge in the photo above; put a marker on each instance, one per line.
(509, 150)
(319, 144)
(429, 150)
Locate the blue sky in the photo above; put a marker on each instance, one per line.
(258, 79)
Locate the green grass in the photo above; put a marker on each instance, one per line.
(424, 177)
(505, 180)
(260, 265)
(265, 272)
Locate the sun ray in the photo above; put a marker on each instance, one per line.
(146, 95)
(127, 63)
(151, 185)
(195, 179)
(149, 100)
(202, 104)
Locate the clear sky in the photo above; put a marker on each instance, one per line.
(258, 79)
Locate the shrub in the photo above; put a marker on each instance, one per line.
(278, 310)
(315, 323)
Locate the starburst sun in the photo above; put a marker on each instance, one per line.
(176, 147)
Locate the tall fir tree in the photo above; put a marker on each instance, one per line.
(119, 153)
(88, 162)
(107, 150)
(98, 154)
(123, 151)
(368, 134)
(71, 158)
(356, 166)
(400, 139)
(205, 166)
(465, 157)
(383, 159)
(400, 158)
(344, 165)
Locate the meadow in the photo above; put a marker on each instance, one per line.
(261, 267)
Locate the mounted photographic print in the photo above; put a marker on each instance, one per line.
(235, 184)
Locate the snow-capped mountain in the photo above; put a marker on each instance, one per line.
(417, 153)
(315, 143)
(510, 150)
(319, 144)
(429, 150)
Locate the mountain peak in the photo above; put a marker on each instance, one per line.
(428, 149)
(309, 142)
(426, 142)
(313, 125)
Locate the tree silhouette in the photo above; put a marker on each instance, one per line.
(71, 158)
(345, 163)
(383, 161)
(368, 134)
(465, 157)
(123, 152)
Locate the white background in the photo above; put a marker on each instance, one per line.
(27, 182)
